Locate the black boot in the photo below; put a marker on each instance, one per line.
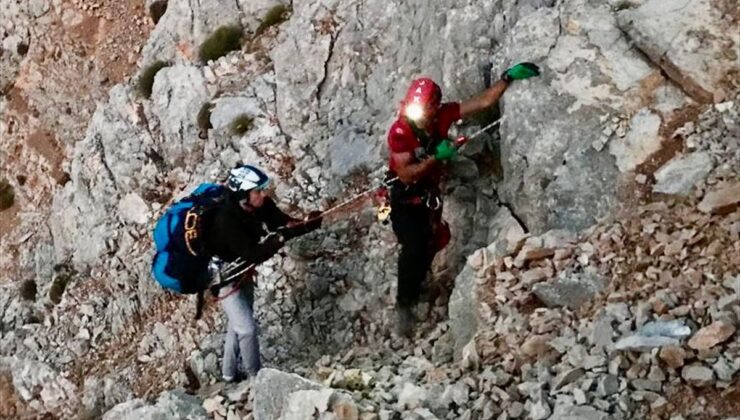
(404, 320)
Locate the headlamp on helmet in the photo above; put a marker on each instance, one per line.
(422, 99)
(414, 112)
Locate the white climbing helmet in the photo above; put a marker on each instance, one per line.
(245, 178)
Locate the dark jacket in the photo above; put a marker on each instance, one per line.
(230, 232)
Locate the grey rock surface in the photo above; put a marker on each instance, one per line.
(170, 405)
(683, 172)
(689, 42)
(570, 291)
(272, 391)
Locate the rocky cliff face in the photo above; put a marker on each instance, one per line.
(629, 108)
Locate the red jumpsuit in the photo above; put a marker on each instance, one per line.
(416, 210)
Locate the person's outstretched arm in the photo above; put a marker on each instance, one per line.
(483, 101)
(490, 96)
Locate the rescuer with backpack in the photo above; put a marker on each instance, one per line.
(236, 226)
(419, 148)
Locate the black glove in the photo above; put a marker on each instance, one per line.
(272, 244)
(315, 221)
(302, 228)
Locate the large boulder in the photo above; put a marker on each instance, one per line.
(15, 36)
(464, 303)
(594, 113)
(280, 395)
(569, 290)
(683, 172)
(178, 94)
(169, 405)
(42, 388)
(272, 389)
(694, 42)
(113, 159)
(185, 24)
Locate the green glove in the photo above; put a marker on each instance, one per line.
(520, 71)
(445, 150)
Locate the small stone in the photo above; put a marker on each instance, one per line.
(516, 409)
(591, 362)
(607, 385)
(579, 396)
(722, 199)
(490, 411)
(535, 345)
(616, 364)
(213, 405)
(727, 302)
(562, 344)
(457, 393)
(656, 374)
(659, 403)
(570, 412)
(568, 377)
(724, 369)
(698, 375)
(535, 275)
(683, 172)
(646, 385)
(673, 356)
(240, 392)
(711, 335)
(540, 410)
(411, 396)
(648, 396)
(603, 331)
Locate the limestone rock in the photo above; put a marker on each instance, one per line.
(677, 40)
(723, 198)
(641, 141)
(681, 174)
(698, 375)
(711, 335)
(673, 356)
(584, 412)
(184, 26)
(571, 291)
(177, 96)
(171, 405)
(411, 396)
(568, 377)
(133, 209)
(272, 390)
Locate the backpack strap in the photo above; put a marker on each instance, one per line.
(200, 304)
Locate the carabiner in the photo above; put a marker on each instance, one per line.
(433, 199)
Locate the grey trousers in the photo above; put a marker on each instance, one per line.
(241, 335)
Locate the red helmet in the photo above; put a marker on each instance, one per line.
(423, 97)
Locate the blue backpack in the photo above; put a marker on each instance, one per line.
(181, 263)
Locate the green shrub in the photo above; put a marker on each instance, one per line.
(22, 48)
(64, 273)
(220, 42)
(275, 16)
(58, 286)
(204, 117)
(28, 290)
(21, 179)
(7, 196)
(241, 124)
(157, 9)
(146, 80)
